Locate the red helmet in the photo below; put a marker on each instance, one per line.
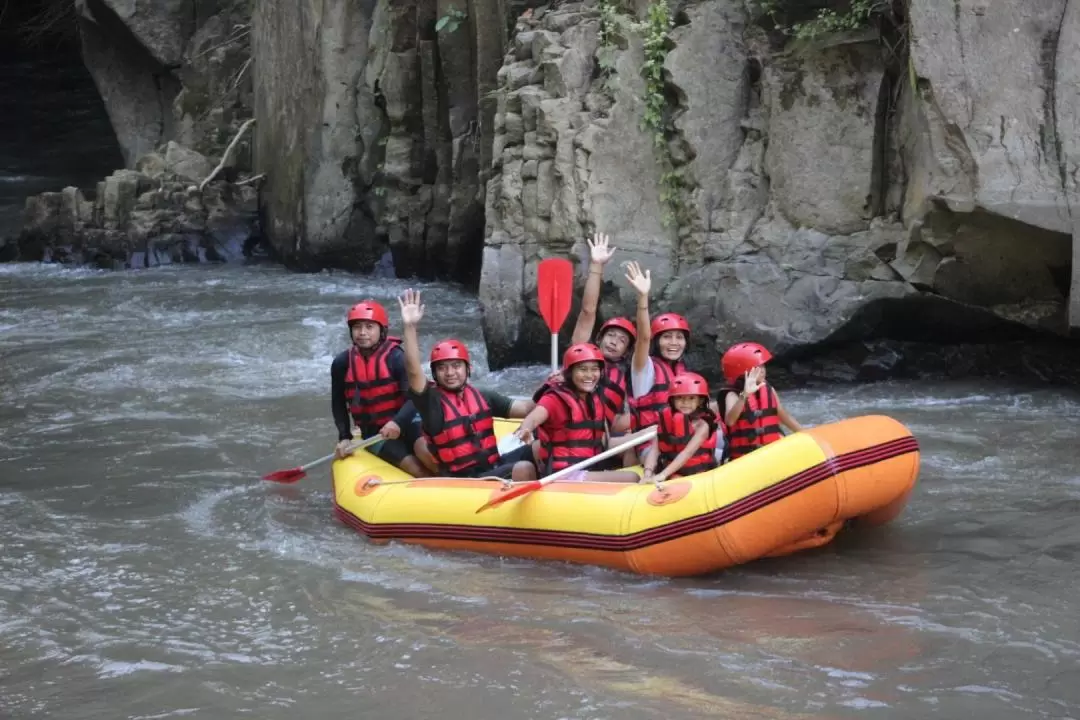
(618, 323)
(670, 321)
(449, 350)
(368, 310)
(582, 352)
(688, 384)
(742, 358)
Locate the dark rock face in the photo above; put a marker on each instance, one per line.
(156, 215)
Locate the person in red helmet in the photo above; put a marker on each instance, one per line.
(686, 437)
(752, 409)
(571, 419)
(625, 347)
(670, 336)
(456, 418)
(367, 389)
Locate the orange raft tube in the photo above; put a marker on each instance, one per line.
(791, 495)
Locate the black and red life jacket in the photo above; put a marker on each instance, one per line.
(674, 433)
(614, 386)
(645, 410)
(467, 440)
(758, 425)
(373, 395)
(582, 436)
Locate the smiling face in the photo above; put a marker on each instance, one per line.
(687, 403)
(585, 376)
(365, 334)
(614, 343)
(451, 374)
(671, 344)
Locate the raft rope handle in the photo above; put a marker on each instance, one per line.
(373, 482)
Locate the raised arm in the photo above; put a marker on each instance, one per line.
(599, 255)
(642, 283)
(411, 314)
(734, 404)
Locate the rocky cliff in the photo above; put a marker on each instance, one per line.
(914, 178)
(375, 130)
(911, 177)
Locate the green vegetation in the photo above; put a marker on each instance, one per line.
(859, 14)
(451, 21)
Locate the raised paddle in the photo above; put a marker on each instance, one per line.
(638, 438)
(299, 473)
(554, 289)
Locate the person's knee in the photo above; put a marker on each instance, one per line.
(524, 471)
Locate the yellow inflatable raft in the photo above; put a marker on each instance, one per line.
(794, 494)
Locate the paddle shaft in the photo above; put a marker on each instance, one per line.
(636, 439)
(554, 352)
(359, 445)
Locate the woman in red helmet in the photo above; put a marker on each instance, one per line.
(687, 434)
(368, 382)
(457, 419)
(571, 417)
(670, 336)
(752, 409)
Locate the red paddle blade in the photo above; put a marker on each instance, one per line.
(554, 289)
(286, 476)
(511, 494)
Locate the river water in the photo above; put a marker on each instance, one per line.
(147, 572)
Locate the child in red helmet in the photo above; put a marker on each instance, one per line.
(368, 387)
(686, 437)
(752, 409)
(457, 419)
(571, 418)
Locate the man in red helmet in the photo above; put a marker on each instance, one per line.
(625, 347)
(457, 419)
(368, 383)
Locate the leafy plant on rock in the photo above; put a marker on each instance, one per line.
(451, 21)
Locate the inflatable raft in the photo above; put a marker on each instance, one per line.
(794, 494)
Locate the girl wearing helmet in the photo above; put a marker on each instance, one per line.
(457, 419)
(571, 418)
(752, 409)
(687, 432)
(368, 383)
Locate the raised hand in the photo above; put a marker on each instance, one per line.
(412, 312)
(640, 281)
(752, 382)
(599, 252)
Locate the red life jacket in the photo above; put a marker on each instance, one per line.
(582, 436)
(645, 410)
(467, 440)
(613, 388)
(673, 435)
(373, 395)
(758, 425)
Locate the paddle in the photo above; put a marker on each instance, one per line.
(299, 473)
(637, 439)
(554, 288)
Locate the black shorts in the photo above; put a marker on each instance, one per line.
(505, 466)
(396, 450)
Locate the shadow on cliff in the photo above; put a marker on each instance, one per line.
(931, 337)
